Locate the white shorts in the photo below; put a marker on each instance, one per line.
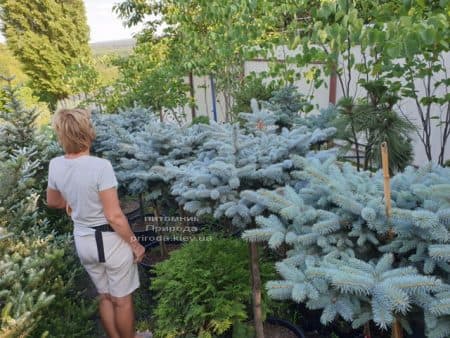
(118, 276)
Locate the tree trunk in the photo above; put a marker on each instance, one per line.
(192, 93)
(162, 243)
(355, 140)
(183, 215)
(367, 156)
(227, 100)
(256, 290)
(445, 136)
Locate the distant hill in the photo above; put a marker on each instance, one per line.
(120, 47)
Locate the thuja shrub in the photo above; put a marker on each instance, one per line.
(203, 288)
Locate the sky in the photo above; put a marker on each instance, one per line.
(103, 23)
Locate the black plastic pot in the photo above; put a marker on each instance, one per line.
(146, 237)
(311, 323)
(237, 233)
(298, 331)
(133, 217)
(155, 244)
(133, 214)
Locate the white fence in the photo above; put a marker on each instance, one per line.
(322, 97)
(327, 93)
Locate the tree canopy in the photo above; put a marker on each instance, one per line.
(48, 37)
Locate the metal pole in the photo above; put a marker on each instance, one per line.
(213, 93)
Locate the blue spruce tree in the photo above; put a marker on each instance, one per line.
(341, 261)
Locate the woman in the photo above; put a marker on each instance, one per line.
(87, 187)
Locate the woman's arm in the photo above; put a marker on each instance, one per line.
(55, 199)
(118, 221)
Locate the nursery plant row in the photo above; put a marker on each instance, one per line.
(346, 255)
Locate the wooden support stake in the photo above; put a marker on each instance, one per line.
(256, 290)
(387, 183)
(397, 331)
(367, 333)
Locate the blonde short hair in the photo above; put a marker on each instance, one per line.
(74, 129)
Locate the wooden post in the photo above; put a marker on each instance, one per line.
(256, 290)
(387, 183)
(366, 332)
(256, 276)
(397, 331)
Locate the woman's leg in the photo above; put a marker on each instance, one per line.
(106, 308)
(124, 315)
(86, 247)
(123, 279)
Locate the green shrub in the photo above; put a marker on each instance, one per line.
(252, 88)
(203, 288)
(200, 119)
(243, 330)
(41, 279)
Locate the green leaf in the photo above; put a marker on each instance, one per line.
(322, 35)
(393, 51)
(411, 44)
(428, 35)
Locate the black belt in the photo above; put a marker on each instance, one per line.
(99, 240)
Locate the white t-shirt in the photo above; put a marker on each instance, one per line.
(79, 180)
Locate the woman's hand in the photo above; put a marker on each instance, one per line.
(118, 221)
(138, 251)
